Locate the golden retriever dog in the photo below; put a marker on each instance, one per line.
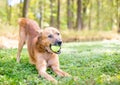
(39, 47)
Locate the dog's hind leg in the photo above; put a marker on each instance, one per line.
(22, 39)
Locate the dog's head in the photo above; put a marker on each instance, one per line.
(48, 37)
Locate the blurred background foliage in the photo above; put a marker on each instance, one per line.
(70, 15)
(95, 14)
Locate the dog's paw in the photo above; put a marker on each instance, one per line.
(54, 81)
(62, 73)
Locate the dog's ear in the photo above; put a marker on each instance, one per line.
(40, 36)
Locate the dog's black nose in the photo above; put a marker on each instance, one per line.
(59, 42)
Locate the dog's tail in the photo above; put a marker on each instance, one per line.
(22, 21)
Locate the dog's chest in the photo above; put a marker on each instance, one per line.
(45, 56)
(48, 58)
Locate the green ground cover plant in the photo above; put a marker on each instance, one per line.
(90, 63)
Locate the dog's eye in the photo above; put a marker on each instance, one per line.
(50, 36)
(58, 33)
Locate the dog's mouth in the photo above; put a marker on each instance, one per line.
(55, 48)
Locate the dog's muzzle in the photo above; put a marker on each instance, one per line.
(57, 43)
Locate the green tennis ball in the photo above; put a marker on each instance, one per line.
(55, 48)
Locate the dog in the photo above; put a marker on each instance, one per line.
(39, 47)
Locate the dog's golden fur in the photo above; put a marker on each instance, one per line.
(38, 44)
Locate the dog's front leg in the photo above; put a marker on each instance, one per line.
(41, 67)
(58, 71)
(54, 63)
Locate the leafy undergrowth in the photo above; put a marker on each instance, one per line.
(88, 35)
(90, 63)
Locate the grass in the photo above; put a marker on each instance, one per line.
(90, 63)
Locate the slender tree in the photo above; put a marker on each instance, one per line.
(9, 11)
(84, 12)
(90, 12)
(69, 15)
(58, 14)
(41, 13)
(79, 18)
(98, 14)
(20, 8)
(25, 8)
(118, 15)
(52, 20)
(111, 18)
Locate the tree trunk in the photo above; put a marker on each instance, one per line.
(69, 15)
(79, 18)
(90, 12)
(58, 15)
(52, 20)
(98, 14)
(111, 19)
(20, 8)
(10, 14)
(8, 11)
(25, 8)
(84, 9)
(118, 15)
(41, 9)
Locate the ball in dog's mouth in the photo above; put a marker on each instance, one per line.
(56, 48)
